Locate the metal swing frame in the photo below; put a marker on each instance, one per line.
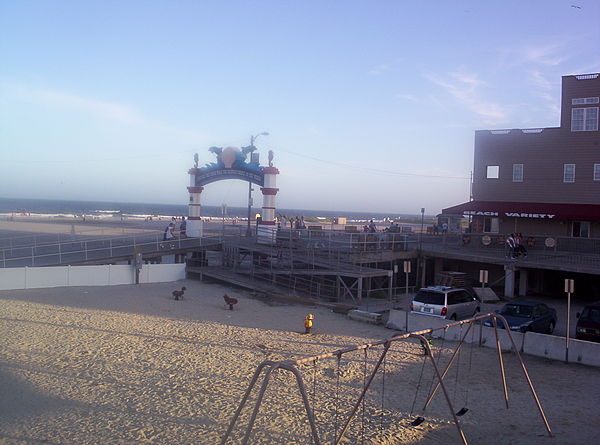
(269, 366)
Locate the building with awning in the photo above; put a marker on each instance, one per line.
(543, 183)
(542, 218)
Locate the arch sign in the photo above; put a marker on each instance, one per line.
(231, 163)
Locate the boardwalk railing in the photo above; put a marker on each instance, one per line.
(79, 251)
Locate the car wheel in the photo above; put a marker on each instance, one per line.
(551, 327)
(477, 310)
(453, 318)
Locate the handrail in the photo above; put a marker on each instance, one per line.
(157, 241)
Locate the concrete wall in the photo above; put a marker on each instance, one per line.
(532, 343)
(108, 275)
(552, 347)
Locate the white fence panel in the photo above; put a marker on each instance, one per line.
(13, 278)
(105, 275)
(46, 277)
(162, 273)
(121, 274)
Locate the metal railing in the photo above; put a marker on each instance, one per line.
(72, 252)
(536, 248)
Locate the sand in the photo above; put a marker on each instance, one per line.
(128, 364)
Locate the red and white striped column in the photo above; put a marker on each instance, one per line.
(267, 228)
(194, 225)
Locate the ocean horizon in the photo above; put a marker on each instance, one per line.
(52, 207)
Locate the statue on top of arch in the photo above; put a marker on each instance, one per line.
(232, 158)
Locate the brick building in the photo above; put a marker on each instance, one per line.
(545, 184)
(543, 181)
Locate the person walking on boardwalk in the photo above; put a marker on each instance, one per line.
(308, 323)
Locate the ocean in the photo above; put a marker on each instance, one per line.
(44, 207)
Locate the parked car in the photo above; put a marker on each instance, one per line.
(445, 302)
(588, 323)
(526, 316)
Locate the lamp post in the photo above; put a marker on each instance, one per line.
(252, 148)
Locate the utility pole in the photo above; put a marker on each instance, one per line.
(252, 148)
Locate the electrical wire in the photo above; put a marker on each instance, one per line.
(374, 170)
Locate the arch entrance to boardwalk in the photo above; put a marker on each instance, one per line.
(233, 163)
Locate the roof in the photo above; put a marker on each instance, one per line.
(530, 210)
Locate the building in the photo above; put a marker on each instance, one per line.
(545, 184)
(543, 181)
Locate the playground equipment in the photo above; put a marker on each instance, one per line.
(338, 431)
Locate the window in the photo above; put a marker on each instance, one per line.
(585, 100)
(517, 172)
(491, 224)
(493, 172)
(596, 172)
(584, 119)
(581, 229)
(569, 173)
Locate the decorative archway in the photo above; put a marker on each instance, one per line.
(232, 163)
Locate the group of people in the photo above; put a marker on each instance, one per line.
(371, 228)
(514, 245)
(169, 233)
(295, 222)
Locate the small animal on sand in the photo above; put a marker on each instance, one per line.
(230, 301)
(178, 294)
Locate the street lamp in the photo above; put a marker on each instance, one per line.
(252, 148)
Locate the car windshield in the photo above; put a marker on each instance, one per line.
(591, 314)
(429, 297)
(517, 310)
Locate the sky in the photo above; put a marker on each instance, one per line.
(369, 105)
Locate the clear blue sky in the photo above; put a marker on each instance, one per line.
(370, 105)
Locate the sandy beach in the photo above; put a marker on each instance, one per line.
(128, 364)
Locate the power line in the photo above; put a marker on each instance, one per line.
(374, 170)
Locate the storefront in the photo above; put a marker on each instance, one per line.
(572, 220)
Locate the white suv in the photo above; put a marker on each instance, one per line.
(445, 302)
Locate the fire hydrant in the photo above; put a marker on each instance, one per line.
(308, 322)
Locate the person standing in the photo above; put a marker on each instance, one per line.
(183, 227)
(169, 235)
(510, 245)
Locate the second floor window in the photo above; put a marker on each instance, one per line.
(596, 172)
(569, 173)
(584, 119)
(493, 172)
(517, 172)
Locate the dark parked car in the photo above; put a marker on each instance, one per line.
(526, 316)
(588, 325)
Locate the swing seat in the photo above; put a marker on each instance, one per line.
(418, 421)
(462, 411)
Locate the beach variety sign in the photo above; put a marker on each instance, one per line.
(231, 164)
(511, 214)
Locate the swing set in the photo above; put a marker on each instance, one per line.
(268, 367)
